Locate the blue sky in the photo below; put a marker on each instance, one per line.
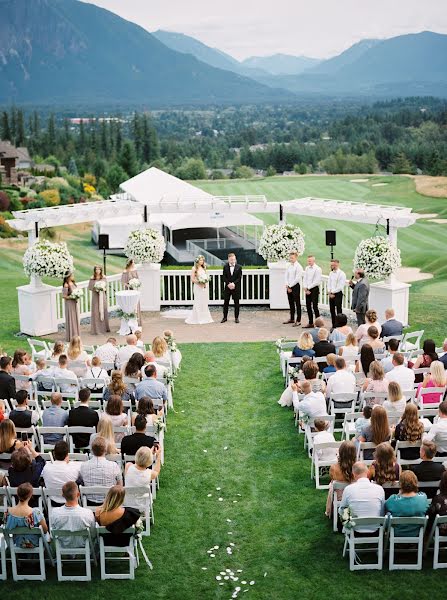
(319, 28)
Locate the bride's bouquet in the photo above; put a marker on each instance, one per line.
(76, 294)
(204, 278)
(100, 286)
(134, 284)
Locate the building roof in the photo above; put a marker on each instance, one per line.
(23, 154)
(7, 150)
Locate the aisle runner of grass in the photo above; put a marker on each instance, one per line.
(226, 397)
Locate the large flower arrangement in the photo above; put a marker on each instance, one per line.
(48, 259)
(145, 245)
(377, 257)
(278, 241)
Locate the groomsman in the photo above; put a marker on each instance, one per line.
(360, 295)
(294, 276)
(335, 287)
(311, 283)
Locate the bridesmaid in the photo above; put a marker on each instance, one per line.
(72, 324)
(131, 273)
(99, 320)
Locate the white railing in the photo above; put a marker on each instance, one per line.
(210, 259)
(176, 290)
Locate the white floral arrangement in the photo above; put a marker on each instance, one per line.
(121, 314)
(169, 377)
(278, 344)
(134, 284)
(48, 259)
(158, 424)
(377, 257)
(100, 286)
(278, 241)
(204, 278)
(76, 294)
(145, 246)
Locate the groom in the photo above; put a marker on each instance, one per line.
(232, 276)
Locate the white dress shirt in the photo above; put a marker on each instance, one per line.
(312, 405)
(161, 370)
(312, 277)
(403, 376)
(107, 353)
(59, 373)
(98, 471)
(232, 269)
(294, 274)
(59, 472)
(72, 518)
(126, 352)
(365, 499)
(336, 281)
(438, 435)
(341, 382)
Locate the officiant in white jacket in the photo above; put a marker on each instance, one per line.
(293, 279)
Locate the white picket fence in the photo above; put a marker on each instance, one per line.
(177, 290)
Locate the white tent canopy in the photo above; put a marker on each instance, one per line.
(204, 220)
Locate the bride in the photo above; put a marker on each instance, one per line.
(200, 312)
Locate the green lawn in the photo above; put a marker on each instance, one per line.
(226, 397)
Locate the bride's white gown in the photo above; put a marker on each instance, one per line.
(200, 314)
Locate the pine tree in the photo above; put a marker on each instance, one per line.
(128, 159)
(20, 133)
(72, 167)
(401, 164)
(5, 129)
(51, 134)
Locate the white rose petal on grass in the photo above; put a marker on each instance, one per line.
(220, 499)
(216, 548)
(218, 577)
(204, 568)
(265, 574)
(234, 501)
(228, 520)
(243, 582)
(227, 570)
(225, 447)
(205, 451)
(209, 495)
(212, 556)
(229, 533)
(252, 582)
(232, 544)
(226, 577)
(218, 489)
(239, 570)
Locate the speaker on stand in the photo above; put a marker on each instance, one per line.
(103, 244)
(331, 240)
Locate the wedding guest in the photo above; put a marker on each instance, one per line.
(7, 381)
(311, 284)
(127, 275)
(117, 387)
(97, 372)
(395, 404)
(438, 431)
(72, 319)
(125, 352)
(323, 347)
(426, 358)
(360, 295)
(108, 352)
(443, 357)
(363, 421)
(312, 405)
(409, 502)
(311, 373)
(438, 505)
(350, 350)
(146, 409)
(409, 429)
(318, 324)
(341, 329)
(24, 515)
(160, 349)
(366, 358)
(63, 372)
(293, 280)
(304, 346)
(134, 365)
(30, 363)
(149, 359)
(42, 371)
(76, 353)
(115, 410)
(363, 497)
(322, 436)
(391, 326)
(139, 335)
(400, 373)
(341, 471)
(26, 466)
(116, 518)
(58, 349)
(99, 318)
(427, 469)
(82, 416)
(131, 443)
(21, 415)
(373, 340)
(54, 416)
(393, 348)
(104, 429)
(140, 475)
(56, 474)
(335, 287)
(176, 355)
(362, 331)
(330, 360)
(375, 382)
(71, 516)
(384, 468)
(377, 431)
(150, 386)
(8, 441)
(3, 413)
(20, 368)
(98, 471)
(435, 379)
(342, 381)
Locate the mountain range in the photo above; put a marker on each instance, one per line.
(71, 52)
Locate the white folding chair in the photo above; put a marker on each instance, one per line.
(414, 344)
(3, 570)
(361, 450)
(439, 541)
(94, 385)
(437, 391)
(317, 462)
(309, 432)
(402, 446)
(62, 432)
(62, 382)
(21, 555)
(37, 493)
(373, 543)
(93, 490)
(147, 511)
(24, 379)
(408, 542)
(28, 433)
(73, 430)
(387, 338)
(80, 553)
(336, 487)
(340, 405)
(117, 554)
(366, 396)
(39, 348)
(291, 364)
(349, 425)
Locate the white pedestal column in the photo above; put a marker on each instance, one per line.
(150, 287)
(392, 294)
(37, 308)
(278, 296)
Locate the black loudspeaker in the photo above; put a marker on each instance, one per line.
(103, 241)
(331, 237)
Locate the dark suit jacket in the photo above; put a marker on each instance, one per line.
(323, 348)
(7, 386)
(443, 359)
(236, 278)
(82, 416)
(391, 327)
(360, 294)
(427, 470)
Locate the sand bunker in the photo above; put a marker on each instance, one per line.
(410, 274)
(358, 180)
(425, 215)
(378, 184)
(440, 221)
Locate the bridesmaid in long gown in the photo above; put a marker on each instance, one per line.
(72, 322)
(131, 273)
(99, 320)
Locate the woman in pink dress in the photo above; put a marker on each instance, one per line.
(435, 379)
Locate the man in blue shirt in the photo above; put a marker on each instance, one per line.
(54, 416)
(150, 387)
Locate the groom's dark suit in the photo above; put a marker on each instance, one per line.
(236, 278)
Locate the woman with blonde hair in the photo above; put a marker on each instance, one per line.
(141, 474)
(105, 429)
(304, 346)
(371, 318)
(435, 379)
(409, 429)
(395, 405)
(160, 348)
(350, 350)
(19, 367)
(376, 382)
(76, 353)
(116, 518)
(117, 387)
(377, 431)
(8, 441)
(385, 468)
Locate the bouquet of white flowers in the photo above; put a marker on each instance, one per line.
(48, 259)
(145, 245)
(100, 286)
(377, 257)
(134, 284)
(278, 344)
(76, 294)
(204, 278)
(159, 425)
(278, 241)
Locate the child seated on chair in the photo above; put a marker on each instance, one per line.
(324, 436)
(330, 361)
(41, 370)
(139, 334)
(364, 421)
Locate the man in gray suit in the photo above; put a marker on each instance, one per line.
(360, 295)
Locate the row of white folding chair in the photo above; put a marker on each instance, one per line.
(318, 462)
(341, 404)
(310, 433)
(415, 343)
(423, 392)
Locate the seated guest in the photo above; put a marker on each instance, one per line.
(304, 346)
(367, 357)
(363, 497)
(117, 387)
(62, 372)
(97, 372)
(312, 405)
(98, 471)
(391, 326)
(41, 371)
(385, 468)
(387, 363)
(342, 329)
(77, 354)
(409, 502)
(125, 352)
(342, 381)
(8, 441)
(21, 415)
(425, 359)
(362, 330)
(428, 470)
(141, 474)
(133, 366)
(323, 347)
(26, 466)
(150, 387)
(318, 324)
(108, 352)
(323, 436)
(435, 379)
(116, 518)
(409, 429)
(396, 403)
(160, 349)
(400, 373)
(311, 372)
(58, 349)
(373, 340)
(443, 357)
(3, 413)
(115, 410)
(438, 431)
(350, 350)
(330, 359)
(147, 410)
(439, 505)
(19, 367)
(56, 474)
(341, 472)
(363, 421)
(375, 382)
(139, 335)
(54, 416)
(71, 516)
(130, 444)
(82, 416)
(149, 359)
(377, 431)
(105, 430)
(7, 381)
(24, 515)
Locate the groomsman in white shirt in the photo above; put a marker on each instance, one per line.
(335, 286)
(294, 276)
(311, 283)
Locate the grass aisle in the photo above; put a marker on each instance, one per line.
(226, 397)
